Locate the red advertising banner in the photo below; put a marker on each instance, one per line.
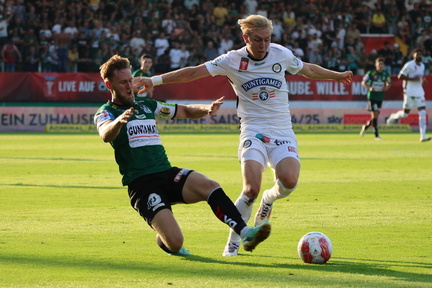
(89, 88)
(52, 87)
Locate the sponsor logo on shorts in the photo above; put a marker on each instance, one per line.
(292, 149)
(283, 142)
(154, 202)
(180, 174)
(247, 144)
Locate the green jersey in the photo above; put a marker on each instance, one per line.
(138, 148)
(140, 73)
(378, 81)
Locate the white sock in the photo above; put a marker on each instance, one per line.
(422, 123)
(398, 115)
(278, 191)
(244, 205)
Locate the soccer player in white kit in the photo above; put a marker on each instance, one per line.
(257, 75)
(414, 95)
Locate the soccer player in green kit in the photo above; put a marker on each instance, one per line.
(376, 82)
(146, 63)
(153, 184)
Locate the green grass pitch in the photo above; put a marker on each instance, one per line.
(66, 220)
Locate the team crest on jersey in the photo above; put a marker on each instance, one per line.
(263, 95)
(244, 63)
(247, 144)
(145, 108)
(277, 68)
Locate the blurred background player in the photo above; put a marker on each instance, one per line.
(376, 82)
(414, 95)
(146, 63)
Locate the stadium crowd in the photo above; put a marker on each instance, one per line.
(78, 36)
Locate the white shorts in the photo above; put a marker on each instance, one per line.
(411, 102)
(270, 150)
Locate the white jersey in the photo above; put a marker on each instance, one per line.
(411, 70)
(260, 86)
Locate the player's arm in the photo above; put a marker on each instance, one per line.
(364, 83)
(313, 71)
(109, 129)
(186, 74)
(195, 111)
(407, 78)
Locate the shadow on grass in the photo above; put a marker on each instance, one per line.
(381, 268)
(361, 267)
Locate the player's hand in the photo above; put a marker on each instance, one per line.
(345, 77)
(126, 115)
(141, 84)
(214, 107)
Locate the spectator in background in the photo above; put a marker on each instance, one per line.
(11, 56)
(4, 26)
(387, 53)
(30, 40)
(161, 44)
(378, 23)
(62, 42)
(427, 61)
(404, 31)
(184, 55)
(298, 51)
(163, 63)
(315, 57)
(71, 29)
(190, 3)
(175, 55)
(352, 60)
(278, 30)
(137, 43)
(73, 59)
(210, 52)
(251, 6)
(362, 18)
(398, 59)
(226, 44)
(168, 23)
(31, 60)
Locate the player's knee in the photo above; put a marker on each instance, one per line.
(422, 113)
(174, 242)
(288, 181)
(287, 187)
(251, 192)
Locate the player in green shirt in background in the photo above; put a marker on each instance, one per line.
(146, 63)
(376, 82)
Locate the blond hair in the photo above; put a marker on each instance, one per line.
(115, 63)
(252, 22)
